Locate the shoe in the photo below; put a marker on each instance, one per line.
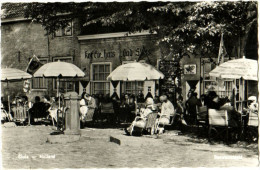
(127, 131)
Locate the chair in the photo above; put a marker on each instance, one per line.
(202, 116)
(148, 124)
(159, 128)
(38, 112)
(218, 119)
(5, 116)
(107, 111)
(151, 122)
(90, 114)
(253, 119)
(90, 117)
(20, 114)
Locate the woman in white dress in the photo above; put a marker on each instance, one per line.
(83, 107)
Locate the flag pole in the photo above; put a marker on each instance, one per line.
(222, 51)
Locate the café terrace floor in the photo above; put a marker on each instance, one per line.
(25, 147)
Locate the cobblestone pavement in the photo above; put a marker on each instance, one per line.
(26, 147)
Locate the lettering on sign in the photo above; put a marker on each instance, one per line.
(124, 53)
(97, 54)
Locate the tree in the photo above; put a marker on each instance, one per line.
(184, 27)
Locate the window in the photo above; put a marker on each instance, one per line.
(67, 31)
(100, 71)
(40, 83)
(67, 86)
(132, 87)
(226, 90)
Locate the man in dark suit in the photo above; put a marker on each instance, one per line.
(191, 106)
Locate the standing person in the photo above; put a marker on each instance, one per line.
(132, 104)
(125, 108)
(191, 105)
(116, 108)
(140, 97)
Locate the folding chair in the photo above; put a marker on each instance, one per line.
(148, 124)
(151, 123)
(20, 114)
(218, 120)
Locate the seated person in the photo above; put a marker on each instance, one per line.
(253, 105)
(91, 107)
(47, 102)
(83, 106)
(37, 110)
(53, 109)
(167, 110)
(214, 102)
(140, 121)
(4, 112)
(251, 109)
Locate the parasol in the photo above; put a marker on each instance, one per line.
(135, 72)
(236, 69)
(13, 74)
(59, 70)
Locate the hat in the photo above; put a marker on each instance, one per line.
(252, 98)
(163, 98)
(149, 101)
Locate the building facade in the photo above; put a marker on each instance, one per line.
(98, 55)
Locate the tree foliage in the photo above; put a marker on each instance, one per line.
(182, 26)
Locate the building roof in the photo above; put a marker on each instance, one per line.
(12, 10)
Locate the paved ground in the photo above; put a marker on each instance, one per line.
(26, 147)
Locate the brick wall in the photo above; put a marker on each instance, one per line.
(21, 40)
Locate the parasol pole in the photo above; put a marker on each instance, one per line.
(8, 100)
(58, 86)
(9, 105)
